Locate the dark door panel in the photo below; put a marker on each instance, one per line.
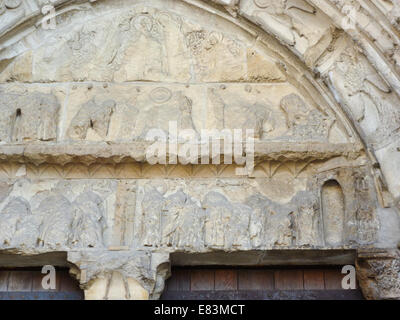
(258, 284)
(27, 285)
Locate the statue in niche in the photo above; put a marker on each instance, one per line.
(88, 224)
(28, 117)
(92, 116)
(57, 213)
(152, 207)
(307, 219)
(304, 122)
(13, 217)
(182, 222)
(240, 114)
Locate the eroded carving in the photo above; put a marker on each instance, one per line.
(28, 117)
(127, 269)
(378, 274)
(55, 218)
(92, 116)
(304, 122)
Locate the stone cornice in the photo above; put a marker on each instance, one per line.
(136, 152)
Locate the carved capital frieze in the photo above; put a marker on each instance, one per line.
(379, 274)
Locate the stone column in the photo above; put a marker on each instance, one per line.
(120, 275)
(379, 274)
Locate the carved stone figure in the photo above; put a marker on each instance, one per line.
(183, 224)
(217, 55)
(88, 224)
(279, 227)
(12, 217)
(238, 228)
(171, 216)
(226, 223)
(152, 206)
(55, 229)
(28, 117)
(367, 97)
(258, 220)
(92, 116)
(304, 122)
(240, 114)
(307, 219)
(218, 216)
(159, 108)
(318, 82)
(271, 223)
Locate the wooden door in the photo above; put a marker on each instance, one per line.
(26, 284)
(258, 284)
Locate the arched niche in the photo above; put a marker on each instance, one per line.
(333, 213)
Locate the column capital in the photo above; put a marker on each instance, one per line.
(120, 275)
(379, 273)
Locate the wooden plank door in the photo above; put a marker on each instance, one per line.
(27, 285)
(258, 284)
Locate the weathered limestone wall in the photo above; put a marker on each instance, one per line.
(318, 82)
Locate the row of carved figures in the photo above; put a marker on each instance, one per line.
(180, 221)
(34, 116)
(54, 223)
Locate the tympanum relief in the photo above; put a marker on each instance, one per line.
(78, 102)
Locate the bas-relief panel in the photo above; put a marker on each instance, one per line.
(297, 23)
(56, 215)
(205, 215)
(126, 112)
(30, 114)
(367, 97)
(143, 44)
(199, 214)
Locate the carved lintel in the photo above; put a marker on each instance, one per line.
(120, 275)
(379, 274)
